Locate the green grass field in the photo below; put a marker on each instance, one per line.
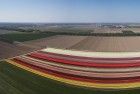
(14, 80)
(21, 37)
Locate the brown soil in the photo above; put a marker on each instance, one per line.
(10, 50)
(90, 43)
(56, 41)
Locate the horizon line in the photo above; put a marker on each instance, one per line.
(76, 22)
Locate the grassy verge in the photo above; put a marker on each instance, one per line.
(17, 81)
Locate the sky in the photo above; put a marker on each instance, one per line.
(70, 11)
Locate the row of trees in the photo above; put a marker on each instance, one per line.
(96, 34)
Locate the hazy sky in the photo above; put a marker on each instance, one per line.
(69, 10)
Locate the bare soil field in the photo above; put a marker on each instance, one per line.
(114, 30)
(86, 43)
(10, 50)
(90, 43)
(109, 44)
(59, 41)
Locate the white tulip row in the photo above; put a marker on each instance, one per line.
(93, 54)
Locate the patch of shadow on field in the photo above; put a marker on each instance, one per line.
(14, 80)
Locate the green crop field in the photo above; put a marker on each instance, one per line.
(14, 80)
(21, 37)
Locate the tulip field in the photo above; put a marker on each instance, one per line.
(72, 72)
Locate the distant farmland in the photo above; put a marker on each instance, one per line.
(21, 37)
(6, 31)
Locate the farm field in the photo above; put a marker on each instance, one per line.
(12, 44)
(14, 75)
(86, 43)
(14, 78)
(58, 41)
(18, 81)
(109, 44)
(25, 36)
(8, 50)
(6, 31)
(90, 43)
